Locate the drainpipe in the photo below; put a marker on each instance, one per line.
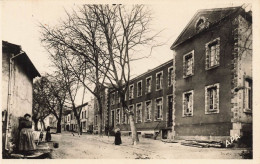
(9, 96)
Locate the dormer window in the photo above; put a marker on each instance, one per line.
(201, 24)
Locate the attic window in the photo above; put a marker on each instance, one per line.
(200, 24)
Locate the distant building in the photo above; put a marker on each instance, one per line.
(105, 112)
(86, 118)
(212, 92)
(17, 81)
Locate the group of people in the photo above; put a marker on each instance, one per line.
(26, 139)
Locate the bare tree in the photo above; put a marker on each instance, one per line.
(103, 39)
(76, 43)
(54, 95)
(125, 29)
(70, 80)
(40, 110)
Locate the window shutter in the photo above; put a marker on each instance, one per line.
(155, 111)
(217, 98)
(184, 66)
(206, 99)
(141, 113)
(145, 112)
(136, 115)
(207, 58)
(157, 83)
(161, 81)
(191, 103)
(217, 53)
(192, 64)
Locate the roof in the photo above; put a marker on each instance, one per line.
(11, 48)
(151, 70)
(147, 72)
(82, 105)
(212, 16)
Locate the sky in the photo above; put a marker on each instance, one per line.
(20, 25)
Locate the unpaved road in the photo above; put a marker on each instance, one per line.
(95, 147)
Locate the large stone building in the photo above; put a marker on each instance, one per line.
(17, 81)
(213, 75)
(205, 92)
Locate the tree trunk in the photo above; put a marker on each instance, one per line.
(36, 124)
(59, 126)
(59, 120)
(79, 127)
(43, 124)
(135, 138)
(99, 125)
(100, 118)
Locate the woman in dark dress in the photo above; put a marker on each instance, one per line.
(26, 142)
(118, 140)
(48, 134)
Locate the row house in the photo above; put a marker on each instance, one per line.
(204, 92)
(86, 118)
(150, 98)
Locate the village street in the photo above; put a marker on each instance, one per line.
(95, 147)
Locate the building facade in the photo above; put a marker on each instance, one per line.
(213, 75)
(150, 98)
(204, 92)
(105, 110)
(18, 73)
(86, 118)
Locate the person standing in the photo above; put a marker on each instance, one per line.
(118, 140)
(48, 134)
(26, 142)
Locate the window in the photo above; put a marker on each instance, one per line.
(124, 117)
(148, 84)
(188, 64)
(187, 104)
(158, 109)
(118, 116)
(112, 98)
(248, 95)
(212, 99)
(139, 112)
(212, 53)
(148, 110)
(131, 91)
(159, 80)
(201, 24)
(139, 88)
(170, 76)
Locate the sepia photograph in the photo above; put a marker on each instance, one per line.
(128, 80)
